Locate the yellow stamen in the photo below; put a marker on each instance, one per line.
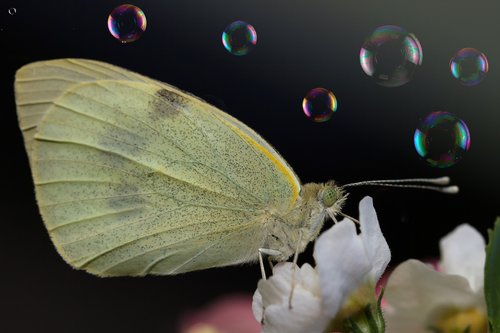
(458, 320)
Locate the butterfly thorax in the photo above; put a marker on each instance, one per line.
(293, 230)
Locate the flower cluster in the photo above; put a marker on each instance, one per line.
(342, 292)
(339, 293)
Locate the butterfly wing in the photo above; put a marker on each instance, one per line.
(133, 176)
(38, 84)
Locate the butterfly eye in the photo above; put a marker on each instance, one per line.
(329, 196)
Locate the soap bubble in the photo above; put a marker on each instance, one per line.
(442, 139)
(319, 104)
(239, 38)
(390, 55)
(127, 23)
(469, 66)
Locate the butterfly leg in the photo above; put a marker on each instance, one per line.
(270, 262)
(268, 252)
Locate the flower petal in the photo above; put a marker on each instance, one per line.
(304, 316)
(375, 244)
(342, 264)
(279, 284)
(272, 296)
(276, 289)
(416, 293)
(463, 253)
(257, 307)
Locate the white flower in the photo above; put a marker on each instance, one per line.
(450, 300)
(345, 262)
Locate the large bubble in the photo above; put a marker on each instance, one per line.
(390, 55)
(442, 139)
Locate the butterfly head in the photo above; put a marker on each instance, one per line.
(332, 197)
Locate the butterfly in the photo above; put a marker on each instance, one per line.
(134, 176)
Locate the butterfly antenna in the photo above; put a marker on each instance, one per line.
(434, 184)
(349, 217)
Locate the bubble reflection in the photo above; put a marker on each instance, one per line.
(127, 23)
(390, 55)
(319, 104)
(442, 139)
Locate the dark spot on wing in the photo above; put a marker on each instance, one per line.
(168, 104)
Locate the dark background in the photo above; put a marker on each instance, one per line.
(301, 45)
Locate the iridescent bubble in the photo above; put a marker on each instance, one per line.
(12, 11)
(442, 139)
(127, 23)
(390, 55)
(239, 38)
(319, 104)
(469, 66)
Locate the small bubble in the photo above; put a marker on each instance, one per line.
(12, 11)
(390, 55)
(442, 139)
(127, 23)
(239, 38)
(469, 66)
(319, 104)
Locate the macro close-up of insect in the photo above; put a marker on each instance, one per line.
(246, 167)
(135, 177)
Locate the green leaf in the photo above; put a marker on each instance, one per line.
(379, 315)
(492, 278)
(370, 320)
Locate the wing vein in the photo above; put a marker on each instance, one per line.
(90, 163)
(153, 234)
(132, 160)
(65, 68)
(91, 218)
(231, 231)
(202, 251)
(75, 62)
(45, 78)
(108, 137)
(58, 181)
(151, 266)
(97, 198)
(105, 231)
(34, 103)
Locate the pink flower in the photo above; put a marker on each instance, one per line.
(229, 314)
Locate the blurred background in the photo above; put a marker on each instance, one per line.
(301, 45)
